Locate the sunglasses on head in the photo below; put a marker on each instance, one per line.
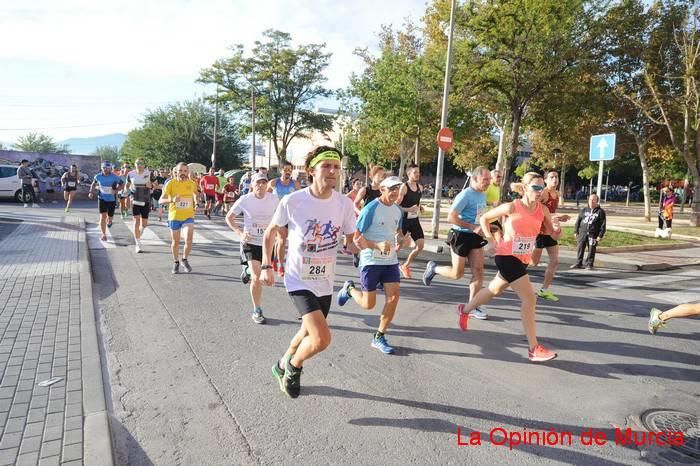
(536, 187)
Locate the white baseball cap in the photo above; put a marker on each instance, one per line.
(257, 177)
(390, 181)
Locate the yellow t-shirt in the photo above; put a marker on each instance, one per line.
(493, 194)
(185, 192)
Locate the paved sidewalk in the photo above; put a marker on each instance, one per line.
(45, 286)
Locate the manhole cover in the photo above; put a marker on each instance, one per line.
(667, 420)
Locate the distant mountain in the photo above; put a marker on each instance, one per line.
(88, 145)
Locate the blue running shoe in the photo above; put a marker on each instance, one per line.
(344, 293)
(382, 345)
(429, 273)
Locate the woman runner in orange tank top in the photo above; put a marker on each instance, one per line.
(525, 218)
(549, 198)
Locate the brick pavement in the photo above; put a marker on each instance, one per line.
(40, 338)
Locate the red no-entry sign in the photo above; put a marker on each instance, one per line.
(445, 139)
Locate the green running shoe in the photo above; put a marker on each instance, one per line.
(655, 321)
(546, 294)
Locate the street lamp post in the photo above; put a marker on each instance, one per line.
(443, 124)
(252, 99)
(216, 117)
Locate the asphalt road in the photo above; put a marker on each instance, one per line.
(190, 383)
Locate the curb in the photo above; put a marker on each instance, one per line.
(97, 440)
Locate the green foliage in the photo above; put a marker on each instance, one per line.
(39, 142)
(183, 132)
(588, 173)
(108, 153)
(286, 82)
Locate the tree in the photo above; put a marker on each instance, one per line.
(183, 132)
(39, 142)
(520, 50)
(108, 153)
(285, 82)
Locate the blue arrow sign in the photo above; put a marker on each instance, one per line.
(602, 147)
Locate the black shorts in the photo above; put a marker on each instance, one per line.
(250, 252)
(545, 241)
(69, 189)
(142, 210)
(413, 227)
(306, 302)
(462, 242)
(510, 268)
(210, 198)
(106, 206)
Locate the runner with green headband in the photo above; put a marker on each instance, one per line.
(316, 217)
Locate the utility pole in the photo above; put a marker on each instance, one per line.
(252, 98)
(216, 118)
(443, 124)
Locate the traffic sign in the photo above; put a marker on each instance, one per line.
(445, 139)
(602, 147)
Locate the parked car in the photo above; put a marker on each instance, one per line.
(11, 185)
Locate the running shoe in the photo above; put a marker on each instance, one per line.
(26, 205)
(103, 238)
(546, 294)
(258, 316)
(186, 265)
(429, 273)
(463, 321)
(590, 267)
(291, 382)
(245, 277)
(382, 345)
(405, 271)
(479, 314)
(109, 225)
(278, 374)
(655, 322)
(137, 248)
(281, 270)
(540, 354)
(344, 293)
(66, 210)
(176, 268)
(576, 266)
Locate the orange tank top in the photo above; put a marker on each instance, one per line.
(520, 232)
(552, 201)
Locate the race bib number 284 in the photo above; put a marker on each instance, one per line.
(317, 268)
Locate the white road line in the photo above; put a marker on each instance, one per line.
(223, 231)
(645, 280)
(149, 238)
(93, 234)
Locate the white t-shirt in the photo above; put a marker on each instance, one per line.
(257, 214)
(316, 228)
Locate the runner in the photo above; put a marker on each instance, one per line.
(316, 217)
(219, 207)
(209, 184)
(108, 185)
(379, 235)
(70, 181)
(657, 319)
(465, 237)
(124, 191)
(525, 219)
(157, 193)
(281, 187)
(550, 198)
(257, 208)
(367, 194)
(140, 184)
(356, 185)
(230, 194)
(409, 200)
(244, 187)
(181, 195)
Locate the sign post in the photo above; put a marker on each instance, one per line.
(602, 148)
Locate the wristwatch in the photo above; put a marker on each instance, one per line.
(265, 267)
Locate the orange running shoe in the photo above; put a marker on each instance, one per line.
(405, 271)
(463, 318)
(540, 354)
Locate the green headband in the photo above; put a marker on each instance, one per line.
(326, 155)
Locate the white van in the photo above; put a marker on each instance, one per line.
(11, 185)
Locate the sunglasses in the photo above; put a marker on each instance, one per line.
(140, 163)
(536, 187)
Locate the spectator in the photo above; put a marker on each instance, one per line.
(26, 177)
(667, 199)
(589, 231)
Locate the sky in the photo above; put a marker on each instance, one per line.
(81, 68)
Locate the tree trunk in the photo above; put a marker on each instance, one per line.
(513, 150)
(642, 152)
(405, 154)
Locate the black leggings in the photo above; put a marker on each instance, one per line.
(663, 223)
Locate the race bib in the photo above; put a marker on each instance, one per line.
(384, 256)
(523, 245)
(71, 184)
(139, 203)
(317, 268)
(230, 194)
(257, 230)
(411, 215)
(106, 190)
(184, 203)
(210, 187)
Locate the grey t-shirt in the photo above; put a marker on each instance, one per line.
(24, 174)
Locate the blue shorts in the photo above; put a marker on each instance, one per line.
(175, 225)
(372, 275)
